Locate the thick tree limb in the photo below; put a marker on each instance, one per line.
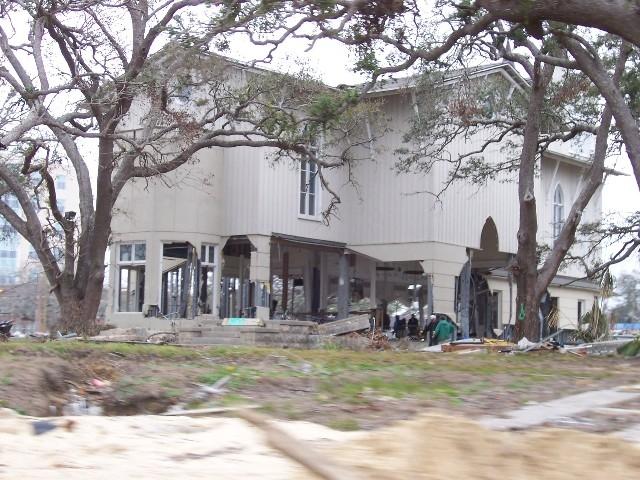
(618, 17)
(625, 121)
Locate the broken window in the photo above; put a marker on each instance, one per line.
(207, 278)
(179, 280)
(131, 272)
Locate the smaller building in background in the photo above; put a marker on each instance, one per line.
(24, 290)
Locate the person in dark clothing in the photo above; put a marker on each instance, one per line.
(400, 327)
(386, 321)
(429, 329)
(413, 325)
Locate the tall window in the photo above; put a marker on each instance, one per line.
(61, 182)
(131, 269)
(581, 310)
(207, 277)
(8, 253)
(558, 211)
(309, 186)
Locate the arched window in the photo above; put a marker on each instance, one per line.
(558, 211)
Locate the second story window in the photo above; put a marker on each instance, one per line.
(309, 187)
(558, 211)
(61, 182)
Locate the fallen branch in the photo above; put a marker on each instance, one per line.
(298, 450)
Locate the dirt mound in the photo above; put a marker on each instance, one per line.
(442, 447)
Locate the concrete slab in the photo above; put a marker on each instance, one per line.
(534, 415)
(631, 434)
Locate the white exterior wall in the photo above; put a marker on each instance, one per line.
(568, 304)
(184, 206)
(385, 209)
(464, 207)
(571, 178)
(277, 202)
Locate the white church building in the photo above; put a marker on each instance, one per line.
(251, 241)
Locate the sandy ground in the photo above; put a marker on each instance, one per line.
(430, 447)
(149, 447)
(436, 447)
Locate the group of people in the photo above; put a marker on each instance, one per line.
(435, 331)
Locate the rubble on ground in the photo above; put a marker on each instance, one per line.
(347, 325)
(133, 334)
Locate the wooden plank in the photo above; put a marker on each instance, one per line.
(347, 325)
(202, 412)
(453, 347)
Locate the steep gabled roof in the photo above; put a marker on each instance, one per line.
(578, 161)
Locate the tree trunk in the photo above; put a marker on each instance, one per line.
(525, 269)
(527, 307)
(75, 314)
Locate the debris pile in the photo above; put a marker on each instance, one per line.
(135, 335)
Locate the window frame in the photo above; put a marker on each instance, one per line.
(61, 182)
(206, 259)
(558, 211)
(132, 263)
(208, 263)
(305, 172)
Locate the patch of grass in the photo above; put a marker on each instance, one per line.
(344, 424)
(268, 408)
(397, 386)
(212, 376)
(173, 392)
(82, 348)
(232, 399)
(6, 380)
(475, 388)
(194, 405)
(290, 411)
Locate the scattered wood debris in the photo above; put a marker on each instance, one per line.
(347, 325)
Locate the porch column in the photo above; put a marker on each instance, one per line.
(465, 287)
(343, 287)
(324, 281)
(423, 284)
(430, 306)
(240, 296)
(285, 281)
(308, 283)
(373, 302)
(260, 273)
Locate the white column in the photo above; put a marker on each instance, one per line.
(324, 280)
(373, 302)
(308, 282)
(343, 287)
